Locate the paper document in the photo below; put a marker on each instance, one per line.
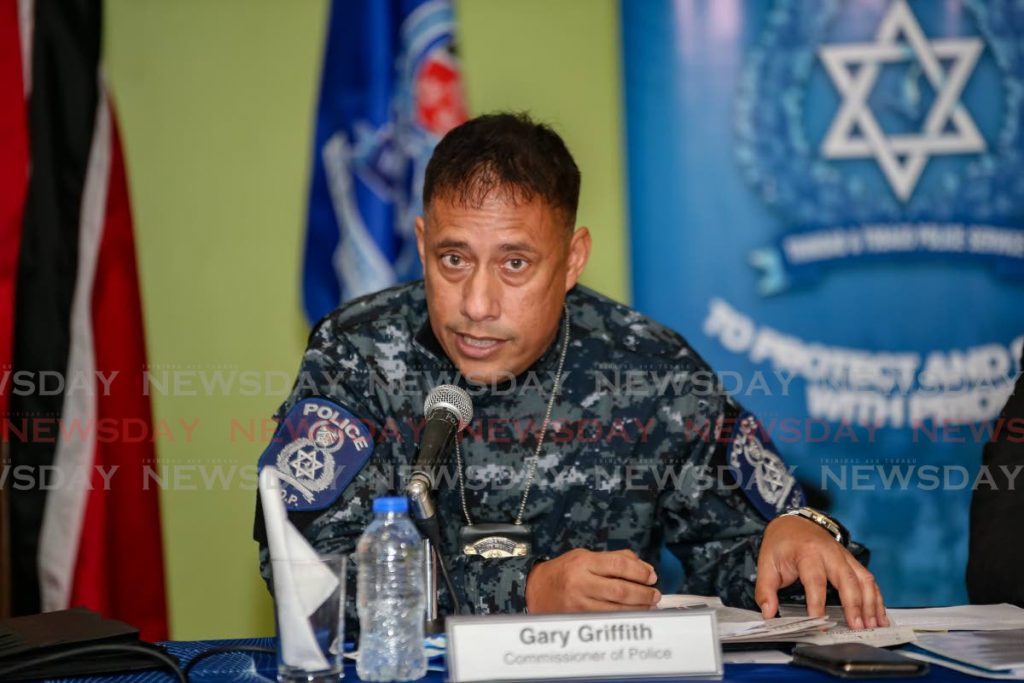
(936, 660)
(992, 650)
(744, 626)
(737, 625)
(781, 629)
(960, 618)
(877, 637)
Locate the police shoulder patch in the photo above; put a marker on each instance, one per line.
(766, 481)
(317, 450)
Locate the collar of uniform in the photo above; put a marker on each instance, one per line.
(427, 342)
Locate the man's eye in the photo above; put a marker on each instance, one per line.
(452, 260)
(516, 264)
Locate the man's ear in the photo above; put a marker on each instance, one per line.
(579, 253)
(421, 226)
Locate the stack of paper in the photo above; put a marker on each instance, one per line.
(883, 636)
(982, 640)
(783, 629)
(747, 626)
(959, 618)
(989, 653)
(1001, 617)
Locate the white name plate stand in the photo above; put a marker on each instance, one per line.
(523, 647)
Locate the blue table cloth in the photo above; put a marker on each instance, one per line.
(246, 666)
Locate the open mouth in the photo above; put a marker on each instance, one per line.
(484, 343)
(478, 347)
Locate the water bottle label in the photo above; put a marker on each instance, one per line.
(318, 449)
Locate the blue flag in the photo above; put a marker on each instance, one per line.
(390, 90)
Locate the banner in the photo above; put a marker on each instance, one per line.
(390, 90)
(826, 201)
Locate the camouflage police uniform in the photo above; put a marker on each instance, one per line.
(628, 462)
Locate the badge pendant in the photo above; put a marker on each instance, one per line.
(495, 541)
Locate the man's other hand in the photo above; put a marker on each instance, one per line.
(587, 581)
(796, 548)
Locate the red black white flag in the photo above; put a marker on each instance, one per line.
(83, 527)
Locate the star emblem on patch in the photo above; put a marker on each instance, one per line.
(305, 463)
(317, 449)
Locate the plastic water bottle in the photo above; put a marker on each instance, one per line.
(390, 595)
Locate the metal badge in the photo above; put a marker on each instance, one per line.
(496, 540)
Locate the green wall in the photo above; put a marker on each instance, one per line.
(559, 59)
(216, 100)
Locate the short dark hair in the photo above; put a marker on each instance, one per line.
(506, 153)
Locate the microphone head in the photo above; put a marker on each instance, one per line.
(451, 398)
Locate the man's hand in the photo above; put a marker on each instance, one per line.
(585, 581)
(796, 548)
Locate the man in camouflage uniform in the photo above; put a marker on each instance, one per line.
(627, 463)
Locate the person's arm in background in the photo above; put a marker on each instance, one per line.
(995, 564)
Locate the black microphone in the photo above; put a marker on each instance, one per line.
(448, 410)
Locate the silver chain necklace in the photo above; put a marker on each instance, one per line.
(540, 441)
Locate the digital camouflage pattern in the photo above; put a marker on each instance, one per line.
(641, 435)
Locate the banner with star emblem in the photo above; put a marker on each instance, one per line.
(390, 90)
(826, 199)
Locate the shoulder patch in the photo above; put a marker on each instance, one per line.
(766, 481)
(318, 449)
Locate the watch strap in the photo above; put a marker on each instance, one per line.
(834, 528)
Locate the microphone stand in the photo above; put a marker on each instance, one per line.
(425, 516)
(444, 419)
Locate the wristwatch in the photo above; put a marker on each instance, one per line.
(829, 524)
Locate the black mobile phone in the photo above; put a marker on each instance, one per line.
(857, 660)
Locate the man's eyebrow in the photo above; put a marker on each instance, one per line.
(449, 243)
(517, 246)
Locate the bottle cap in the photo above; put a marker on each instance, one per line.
(391, 504)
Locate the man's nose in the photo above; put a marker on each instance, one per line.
(480, 296)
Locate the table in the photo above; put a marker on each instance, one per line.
(252, 667)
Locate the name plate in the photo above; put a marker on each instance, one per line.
(522, 647)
